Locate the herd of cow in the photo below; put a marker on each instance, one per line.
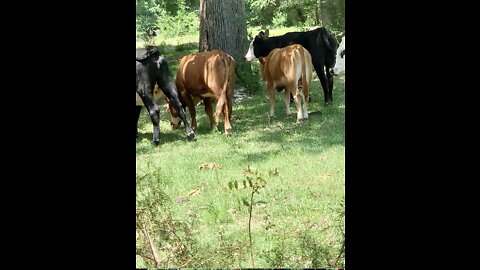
(286, 62)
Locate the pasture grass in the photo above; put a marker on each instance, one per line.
(300, 220)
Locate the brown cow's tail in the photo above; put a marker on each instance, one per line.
(304, 72)
(223, 97)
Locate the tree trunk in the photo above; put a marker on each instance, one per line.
(325, 12)
(317, 12)
(223, 26)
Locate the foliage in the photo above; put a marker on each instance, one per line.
(164, 241)
(184, 21)
(275, 13)
(178, 18)
(185, 208)
(171, 17)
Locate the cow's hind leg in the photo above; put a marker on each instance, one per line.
(227, 117)
(330, 86)
(298, 104)
(286, 99)
(271, 99)
(305, 99)
(154, 117)
(325, 82)
(207, 102)
(305, 105)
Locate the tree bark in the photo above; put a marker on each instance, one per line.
(223, 26)
(317, 12)
(325, 12)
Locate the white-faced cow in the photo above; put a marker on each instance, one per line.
(152, 69)
(320, 43)
(339, 68)
(290, 68)
(207, 76)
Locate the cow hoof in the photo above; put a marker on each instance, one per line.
(228, 132)
(155, 143)
(299, 121)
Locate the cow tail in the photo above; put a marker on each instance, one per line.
(223, 96)
(326, 41)
(304, 70)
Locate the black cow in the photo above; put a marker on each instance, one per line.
(320, 43)
(152, 68)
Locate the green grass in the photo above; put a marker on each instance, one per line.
(299, 224)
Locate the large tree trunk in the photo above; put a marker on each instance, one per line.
(223, 26)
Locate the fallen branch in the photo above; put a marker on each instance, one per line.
(145, 256)
(153, 249)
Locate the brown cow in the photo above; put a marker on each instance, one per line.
(290, 68)
(206, 76)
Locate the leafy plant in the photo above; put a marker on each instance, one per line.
(256, 181)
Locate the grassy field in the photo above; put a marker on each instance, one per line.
(187, 209)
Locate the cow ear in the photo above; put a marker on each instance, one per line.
(261, 34)
(267, 32)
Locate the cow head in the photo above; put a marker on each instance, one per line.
(256, 46)
(339, 68)
(174, 118)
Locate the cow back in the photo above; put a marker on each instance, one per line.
(204, 73)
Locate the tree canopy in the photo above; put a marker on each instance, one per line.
(181, 17)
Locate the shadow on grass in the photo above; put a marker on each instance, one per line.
(325, 127)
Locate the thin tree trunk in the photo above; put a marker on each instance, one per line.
(325, 12)
(317, 12)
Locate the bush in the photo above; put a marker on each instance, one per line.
(279, 19)
(248, 76)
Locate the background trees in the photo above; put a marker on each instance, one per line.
(182, 17)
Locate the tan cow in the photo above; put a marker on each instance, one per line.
(157, 96)
(207, 76)
(290, 68)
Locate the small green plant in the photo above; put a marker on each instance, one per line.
(256, 181)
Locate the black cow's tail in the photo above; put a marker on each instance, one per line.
(325, 36)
